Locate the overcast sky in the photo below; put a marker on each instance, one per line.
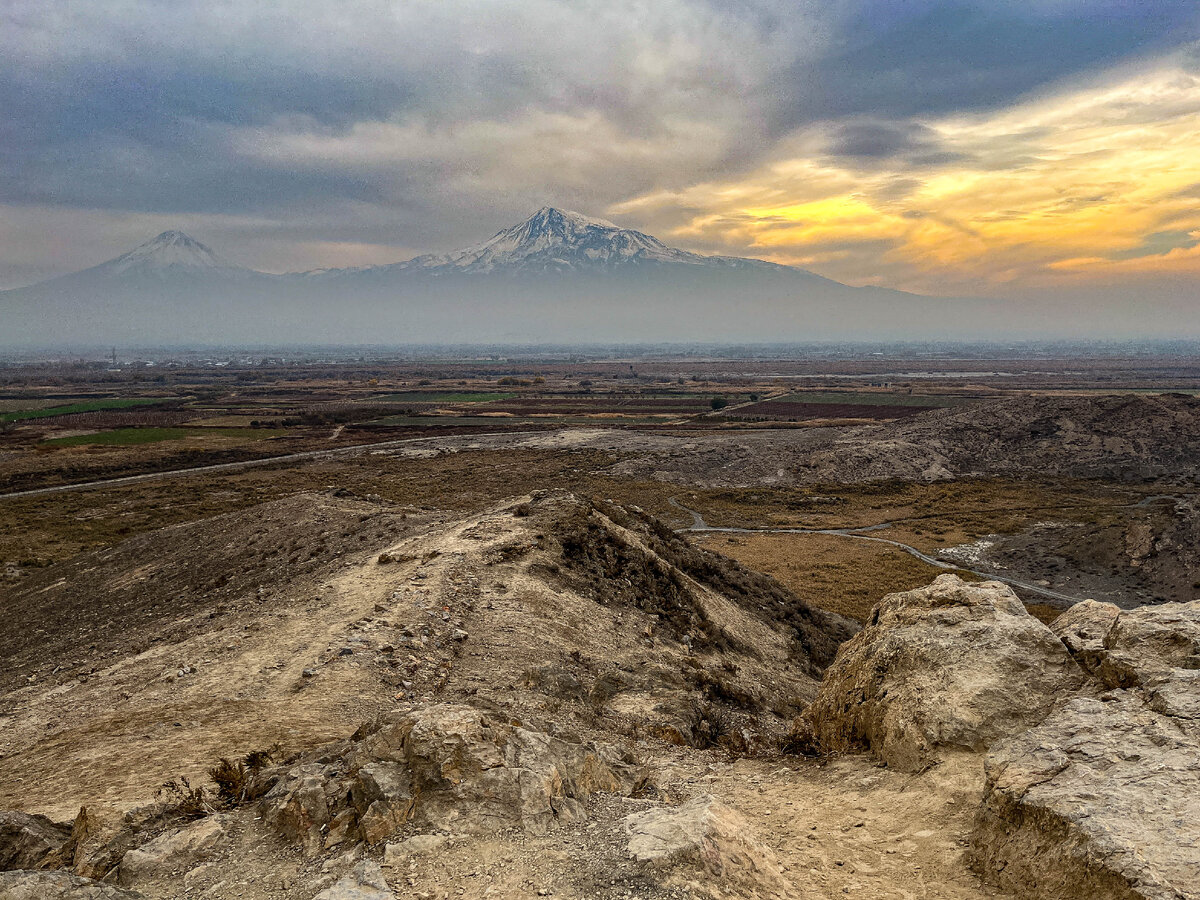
(967, 147)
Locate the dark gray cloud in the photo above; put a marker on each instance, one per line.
(429, 122)
(931, 57)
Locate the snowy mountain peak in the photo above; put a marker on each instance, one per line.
(551, 218)
(170, 251)
(554, 240)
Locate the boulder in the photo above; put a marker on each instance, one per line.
(708, 844)
(25, 885)
(1097, 802)
(172, 853)
(364, 882)
(950, 665)
(100, 837)
(1144, 645)
(298, 807)
(27, 840)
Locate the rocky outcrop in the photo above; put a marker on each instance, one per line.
(172, 853)
(446, 766)
(100, 837)
(1097, 802)
(708, 840)
(27, 840)
(1153, 649)
(951, 665)
(1083, 628)
(25, 885)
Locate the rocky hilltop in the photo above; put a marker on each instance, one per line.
(560, 696)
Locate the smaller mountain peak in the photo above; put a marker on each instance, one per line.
(169, 250)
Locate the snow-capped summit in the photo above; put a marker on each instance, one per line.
(171, 251)
(554, 240)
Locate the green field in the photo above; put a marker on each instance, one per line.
(81, 406)
(880, 399)
(124, 437)
(442, 397)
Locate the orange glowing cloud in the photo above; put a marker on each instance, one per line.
(1092, 182)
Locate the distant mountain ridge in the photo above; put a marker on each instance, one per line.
(550, 241)
(557, 276)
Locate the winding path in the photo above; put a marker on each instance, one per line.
(699, 526)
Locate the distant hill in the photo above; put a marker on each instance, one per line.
(557, 276)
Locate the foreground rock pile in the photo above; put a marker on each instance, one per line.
(1091, 731)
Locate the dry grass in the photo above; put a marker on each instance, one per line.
(833, 573)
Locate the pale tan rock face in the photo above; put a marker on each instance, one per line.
(1100, 801)
(364, 882)
(1153, 649)
(446, 766)
(25, 885)
(951, 665)
(172, 853)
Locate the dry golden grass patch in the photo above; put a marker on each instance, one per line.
(840, 574)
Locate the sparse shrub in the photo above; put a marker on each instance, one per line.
(183, 800)
(718, 403)
(237, 782)
(522, 509)
(713, 725)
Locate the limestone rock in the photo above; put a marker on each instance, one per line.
(298, 807)
(476, 772)
(365, 882)
(952, 665)
(1155, 649)
(173, 852)
(1083, 629)
(710, 839)
(100, 837)
(25, 885)
(26, 840)
(447, 767)
(1146, 644)
(1097, 802)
